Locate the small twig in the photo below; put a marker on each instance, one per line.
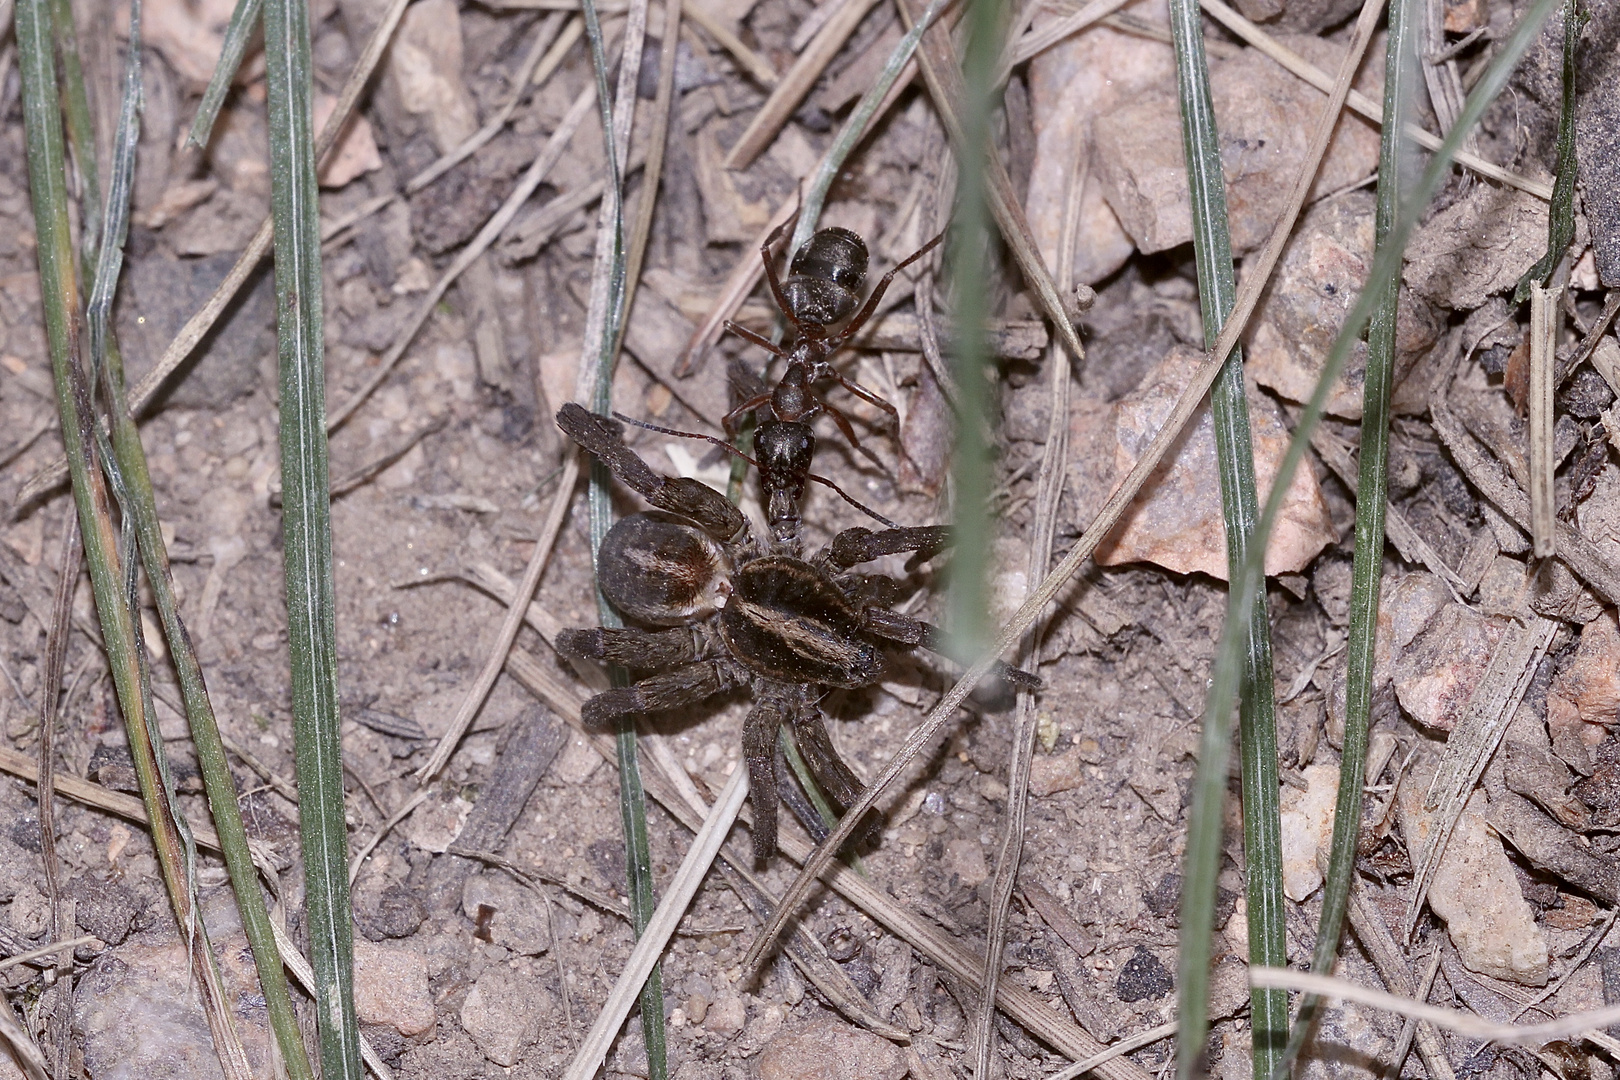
(549, 155)
(1545, 322)
(509, 628)
(796, 82)
(1466, 1024)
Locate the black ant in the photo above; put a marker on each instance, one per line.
(822, 288)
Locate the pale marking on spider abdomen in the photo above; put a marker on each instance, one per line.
(804, 636)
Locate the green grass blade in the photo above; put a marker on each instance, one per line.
(1386, 267)
(81, 126)
(604, 350)
(855, 127)
(307, 534)
(970, 247)
(237, 35)
(1229, 407)
(142, 507)
(111, 586)
(1561, 213)
(1400, 79)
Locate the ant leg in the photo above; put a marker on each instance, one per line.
(729, 421)
(904, 630)
(638, 650)
(849, 433)
(690, 498)
(759, 751)
(882, 286)
(668, 690)
(871, 397)
(858, 545)
(770, 269)
(763, 342)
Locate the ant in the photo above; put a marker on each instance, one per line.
(822, 289)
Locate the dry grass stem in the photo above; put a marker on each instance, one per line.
(1545, 323)
(514, 616)
(1467, 1024)
(797, 81)
(677, 896)
(1358, 101)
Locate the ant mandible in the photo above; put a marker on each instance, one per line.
(822, 288)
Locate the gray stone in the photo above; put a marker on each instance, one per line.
(830, 1050)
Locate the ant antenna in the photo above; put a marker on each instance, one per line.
(842, 494)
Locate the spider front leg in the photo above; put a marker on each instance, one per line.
(904, 630)
(679, 495)
(854, 546)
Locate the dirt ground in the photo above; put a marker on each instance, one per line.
(460, 459)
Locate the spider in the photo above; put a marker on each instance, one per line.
(732, 611)
(822, 289)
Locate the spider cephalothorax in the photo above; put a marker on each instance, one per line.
(736, 612)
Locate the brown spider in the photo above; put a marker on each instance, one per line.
(736, 612)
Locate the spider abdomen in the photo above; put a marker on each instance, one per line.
(787, 621)
(662, 571)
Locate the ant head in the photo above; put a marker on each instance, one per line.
(783, 451)
(825, 277)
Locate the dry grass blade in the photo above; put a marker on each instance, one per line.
(796, 82)
(1255, 279)
(1480, 727)
(1358, 101)
(1546, 320)
(1124, 1046)
(1392, 968)
(1049, 491)
(22, 1045)
(514, 617)
(548, 157)
(944, 77)
(198, 326)
(650, 944)
(1463, 1023)
(1036, 42)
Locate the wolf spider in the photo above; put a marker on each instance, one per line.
(735, 612)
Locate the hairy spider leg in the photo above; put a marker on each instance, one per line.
(691, 499)
(904, 630)
(836, 778)
(759, 751)
(857, 545)
(683, 685)
(634, 648)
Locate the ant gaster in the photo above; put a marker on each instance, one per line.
(822, 289)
